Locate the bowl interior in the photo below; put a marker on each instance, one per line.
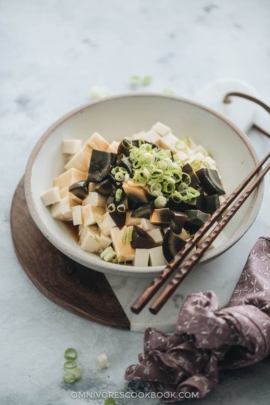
(117, 117)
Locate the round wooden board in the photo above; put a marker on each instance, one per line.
(83, 291)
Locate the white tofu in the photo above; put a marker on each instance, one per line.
(71, 146)
(95, 199)
(51, 196)
(124, 251)
(106, 224)
(156, 234)
(141, 258)
(156, 256)
(89, 213)
(62, 210)
(90, 240)
(184, 234)
(96, 141)
(146, 225)
(79, 161)
(197, 156)
(201, 149)
(130, 220)
(161, 129)
(91, 186)
(72, 198)
(209, 161)
(180, 155)
(113, 147)
(168, 142)
(105, 240)
(138, 135)
(77, 215)
(102, 361)
(190, 143)
(151, 136)
(69, 178)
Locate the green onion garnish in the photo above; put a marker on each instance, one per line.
(69, 365)
(70, 354)
(169, 91)
(160, 201)
(111, 207)
(69, 378)
(135, 80)
(118, 195)
(109, 401)
(121, 208)
(124, 237)
(146, 80)
(108, 254)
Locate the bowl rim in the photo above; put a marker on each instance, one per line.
(128, 270)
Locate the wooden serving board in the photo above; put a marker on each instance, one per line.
(78, 289)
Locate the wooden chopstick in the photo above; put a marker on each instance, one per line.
(158, 281)
(187, 266)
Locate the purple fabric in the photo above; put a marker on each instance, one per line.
(207, 339)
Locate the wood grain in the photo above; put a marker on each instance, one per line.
(78, 289)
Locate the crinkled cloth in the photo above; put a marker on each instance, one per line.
(207, 339)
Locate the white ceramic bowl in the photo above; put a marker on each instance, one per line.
(121, 116)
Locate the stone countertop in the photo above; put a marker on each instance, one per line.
(51, 54)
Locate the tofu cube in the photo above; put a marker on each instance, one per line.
(90, 213)
(90, 240)
(96, 141)
(51, 196)
(71, 146)
(180, 155)
(156, 234)
(130, 220)
(105, 240)
(77, 215)
(124, 251)
(141, 258)
(146, 225)
(91, 186)
(95, 199)
(69, 177)
(79, 161)
(209, 161)
(169, 142)
(62, 210)
(102, 361)
(156, 256)
(106, 224)
(138, 135)
(161, 129)
(151, 136)
(113, 147)
(197, 156)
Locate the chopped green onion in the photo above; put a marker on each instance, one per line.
(121, 208)
(129, 233)
(196, 165)
(180, 145)
(69, 378)
(210, 154)
(111, 207)
(118, 195)
(146, 80)
(124, 237)
(119, 260)
(69, 365)
(108, 254)
(135, 80)
(169, 91)
(160, 201)
(109, 401)
(70, 354)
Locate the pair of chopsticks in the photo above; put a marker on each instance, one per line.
(215, 219)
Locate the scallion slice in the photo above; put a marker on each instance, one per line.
(69, 378)
(70, 354)
(69, 365)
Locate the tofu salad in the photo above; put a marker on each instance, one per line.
(138, 200)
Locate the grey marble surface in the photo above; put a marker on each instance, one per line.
(52, 52)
